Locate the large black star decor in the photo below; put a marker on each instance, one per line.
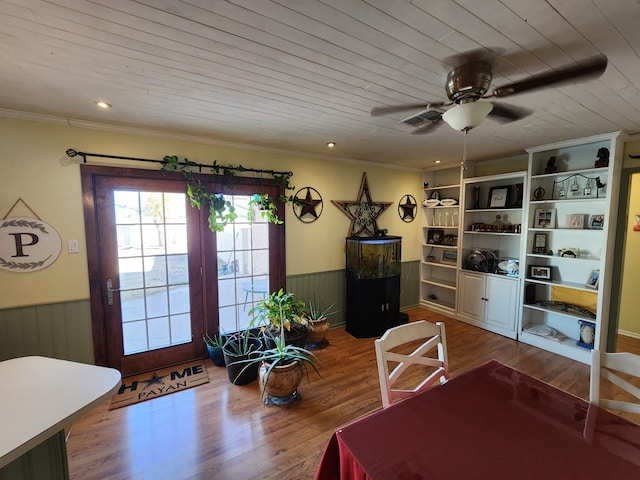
(309, 207)
(407, 208)
(363, 212)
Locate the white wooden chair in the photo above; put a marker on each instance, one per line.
(608, 366)
(434, 342)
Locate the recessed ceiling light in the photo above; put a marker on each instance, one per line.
(101, 104)
(331, 144)
(436, 161)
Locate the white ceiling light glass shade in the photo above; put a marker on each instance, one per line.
(467, 115)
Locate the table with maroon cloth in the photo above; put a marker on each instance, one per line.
(492, 422)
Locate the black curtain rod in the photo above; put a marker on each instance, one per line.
(74, 153)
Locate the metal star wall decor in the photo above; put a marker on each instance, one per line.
(307, 204)
(363, 212)
(407, 208)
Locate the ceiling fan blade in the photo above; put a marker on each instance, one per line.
(428, 127)
(386, 109)
(591, 68)
(505, 113)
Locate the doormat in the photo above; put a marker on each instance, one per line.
(145, 386)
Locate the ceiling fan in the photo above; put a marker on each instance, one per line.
(468, 84)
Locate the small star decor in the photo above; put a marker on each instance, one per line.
(407, 208)
(307, 204)
(363, 211)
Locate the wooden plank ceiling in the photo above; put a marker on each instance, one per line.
(295, 74)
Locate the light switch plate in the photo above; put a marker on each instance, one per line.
(73, 246)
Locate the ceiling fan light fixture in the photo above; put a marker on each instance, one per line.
(466, 116)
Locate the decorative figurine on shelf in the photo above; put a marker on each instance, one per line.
(476, 198)
(517, 203)
(551, 165)
(603, 158)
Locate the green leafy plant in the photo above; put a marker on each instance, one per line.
(279, 309)
(264, 204)
(216, 342)
(221, 211)
(282, 354)
(241, 343)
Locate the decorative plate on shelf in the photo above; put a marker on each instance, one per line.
(431, 202)
(448, 202)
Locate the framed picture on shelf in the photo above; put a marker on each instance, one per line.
(540, 243)
(435, 236)
(596, 222)
(449, 256)
(498, 196)
(539, 272)
(592, 279)
(544, 218)
(575, 220)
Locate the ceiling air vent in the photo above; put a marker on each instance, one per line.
(422, 117)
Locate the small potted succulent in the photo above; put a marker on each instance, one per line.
(317, 318)
(214, 348)
(239, 348)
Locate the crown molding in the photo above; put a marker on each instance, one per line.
(180, 137)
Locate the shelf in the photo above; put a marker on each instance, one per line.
(579, 259)
(575, 286)
(441, 187)
(569, 200)
(441, 265)
(568, 173)
(557, 311)
(439, 305)
(438, 245)
(440, 283)
(576, 230)
(441, 227)
(494, 210)
(437, 207)
(567, 347)
(508, 234)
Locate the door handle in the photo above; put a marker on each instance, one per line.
(110, 291)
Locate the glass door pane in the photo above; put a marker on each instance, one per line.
(153, 269)
(243, 266)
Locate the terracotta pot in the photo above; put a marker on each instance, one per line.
(318, 331)
(283, 379)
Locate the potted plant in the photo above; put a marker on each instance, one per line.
(281, 368)
(280, 309)
(241, 347)
(215, 348)
(318, 323)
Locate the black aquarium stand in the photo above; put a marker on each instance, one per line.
(373, 285)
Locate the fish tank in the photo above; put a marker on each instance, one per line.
(373, 257)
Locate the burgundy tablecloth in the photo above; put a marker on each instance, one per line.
(489, 423)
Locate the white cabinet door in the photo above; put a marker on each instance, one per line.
(489, 302)
(471, 296)
(502, 301)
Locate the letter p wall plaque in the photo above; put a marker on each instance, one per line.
(27, 244)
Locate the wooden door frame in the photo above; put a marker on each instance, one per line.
(241, 186)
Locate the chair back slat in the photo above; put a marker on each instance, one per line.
(433, 342)
(610, 366)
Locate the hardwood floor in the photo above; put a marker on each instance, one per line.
(222, 431)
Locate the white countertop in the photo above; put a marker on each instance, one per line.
(40, 396)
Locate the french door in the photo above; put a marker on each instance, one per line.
(159, 277)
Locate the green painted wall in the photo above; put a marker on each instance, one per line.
(63, 330)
